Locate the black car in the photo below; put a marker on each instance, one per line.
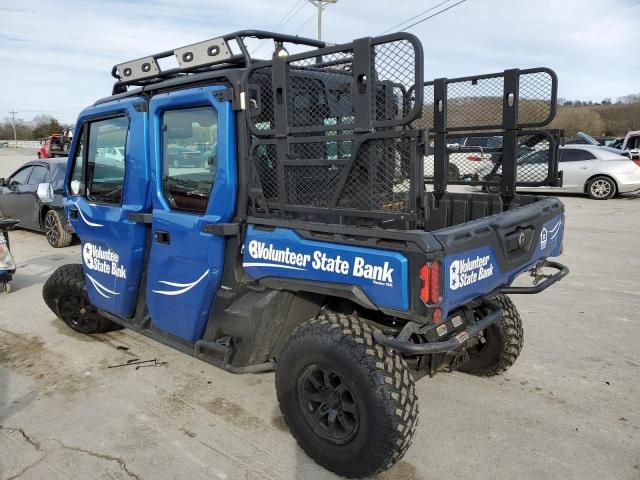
(33, 195)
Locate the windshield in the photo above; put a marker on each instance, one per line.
(587, 138)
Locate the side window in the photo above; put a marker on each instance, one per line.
(76, 185)
(575, 155)
(38, 175)
(105, 175)
(535, 158)
(21, 177)
(189, 157)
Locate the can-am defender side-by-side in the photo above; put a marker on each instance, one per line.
(305, 236)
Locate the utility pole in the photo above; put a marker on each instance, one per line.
(13, 124)
(321, 5)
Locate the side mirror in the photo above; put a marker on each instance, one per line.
(45, 192)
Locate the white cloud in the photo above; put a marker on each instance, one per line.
(56, 57)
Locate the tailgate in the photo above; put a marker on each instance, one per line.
(484, 255)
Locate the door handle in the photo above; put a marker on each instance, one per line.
(73, 213)
(162, 237)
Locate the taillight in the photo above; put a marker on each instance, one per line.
(434, 282)
(637, 162)
(424, 276)
(475, 157)
(430, 276)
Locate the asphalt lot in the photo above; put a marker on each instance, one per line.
(568, 409)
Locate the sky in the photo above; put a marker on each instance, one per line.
(56, 56)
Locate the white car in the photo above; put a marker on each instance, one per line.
(115, 154)
(466, 155)
(596, 171)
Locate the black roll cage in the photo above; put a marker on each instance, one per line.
(381, 112)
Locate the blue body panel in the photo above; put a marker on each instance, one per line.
(381, 274)
(184, 275)
(113, 247)
(472, 274)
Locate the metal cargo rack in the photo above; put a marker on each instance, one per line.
(331, 136)
(506, 110)
(213, 54)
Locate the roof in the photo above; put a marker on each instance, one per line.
(598, 150)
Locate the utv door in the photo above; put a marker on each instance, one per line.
(101, 195)
(186, 260)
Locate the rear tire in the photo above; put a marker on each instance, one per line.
(502, 346)
(65, 293)
(350, 403)
(57, 235)
(601, 188)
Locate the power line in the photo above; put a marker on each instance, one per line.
(305, 23)
(318, 4)
(283, 21)
(288, 17)
(434, 15)
(415, 16)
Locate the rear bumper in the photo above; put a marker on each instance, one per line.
(410, 348)
(562, 271)
(494, 313)
(629, 188)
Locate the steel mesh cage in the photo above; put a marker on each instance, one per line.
(477, 102)
(365, 83)
(336, 174)
(477, 158)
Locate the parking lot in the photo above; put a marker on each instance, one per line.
(568, 409)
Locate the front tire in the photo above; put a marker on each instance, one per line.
(601, 188)
(57, 235)
(500, 345)
(350, 403)
(65, 293)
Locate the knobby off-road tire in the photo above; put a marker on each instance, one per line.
(57, 235)
(349, 402)
(65, 293)
(504, 340)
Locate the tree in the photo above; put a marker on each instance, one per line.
(576, 119)
(45, 125)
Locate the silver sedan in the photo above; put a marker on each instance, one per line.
(595, 171)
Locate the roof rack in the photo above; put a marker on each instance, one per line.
(209, 55)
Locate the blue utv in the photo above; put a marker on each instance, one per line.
(307, 238)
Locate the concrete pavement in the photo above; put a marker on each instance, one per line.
(568, 409)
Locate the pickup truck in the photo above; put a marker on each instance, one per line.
(308, 242)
